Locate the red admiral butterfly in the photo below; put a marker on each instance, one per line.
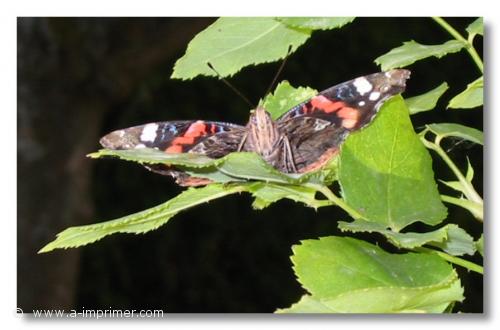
(303, 139)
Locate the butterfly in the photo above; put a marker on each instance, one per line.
(302, 140)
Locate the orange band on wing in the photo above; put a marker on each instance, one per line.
(350, 117)
(183, 140)
(348, 113)
(196, 129)
(323, 103)
(174, 149)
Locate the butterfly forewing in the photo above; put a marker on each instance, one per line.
(175, 136)
(352, 104)
(212, 139)
(317, 127)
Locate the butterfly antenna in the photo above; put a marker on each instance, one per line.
(279, 70)
(228, 84)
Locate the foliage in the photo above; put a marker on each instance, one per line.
(426, 101)
(471, 97)
(387, 162)
(384, 172)
(363, 278)
(412, 51)
(232, 43)
(285, 97)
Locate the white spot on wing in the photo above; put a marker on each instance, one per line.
(362, 85)
(149, 132)
(374, 96)
(361, 103)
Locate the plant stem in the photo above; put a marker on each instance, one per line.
(469, 46)
(454, 260)
(469, 190)
(475, 208)
(337, 200)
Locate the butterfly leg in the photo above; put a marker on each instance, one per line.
(242, 143)
(288, 156)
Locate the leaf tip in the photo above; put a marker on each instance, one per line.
(46, 248)
(94, 155)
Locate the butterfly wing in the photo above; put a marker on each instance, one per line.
(178, 137)
(316, 128)
(312, 142)
(212, 139)
(353, 103)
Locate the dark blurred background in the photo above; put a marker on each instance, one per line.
(79, 78)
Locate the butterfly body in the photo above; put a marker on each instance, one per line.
(302, 140)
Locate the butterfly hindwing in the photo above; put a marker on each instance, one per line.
(311, 140)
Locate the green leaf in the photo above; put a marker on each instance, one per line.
(232, 43)
(456, 185)
(458, 242)
(444, 130)
(475, 208)
(345, 275)
(384, 300)
(480, 245)
(316, 23)
(426, 101)
(386, 173)
(211, 173)
(140, 222)
(352, 264)
(450, 238)
(268, 193)
(154, 156)
(471, 97)
(475, 27)
(237, 165)
(470, 171)
(408, 240)
(285, 97)
(308, 305)
(250, 166)
(411, 51)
